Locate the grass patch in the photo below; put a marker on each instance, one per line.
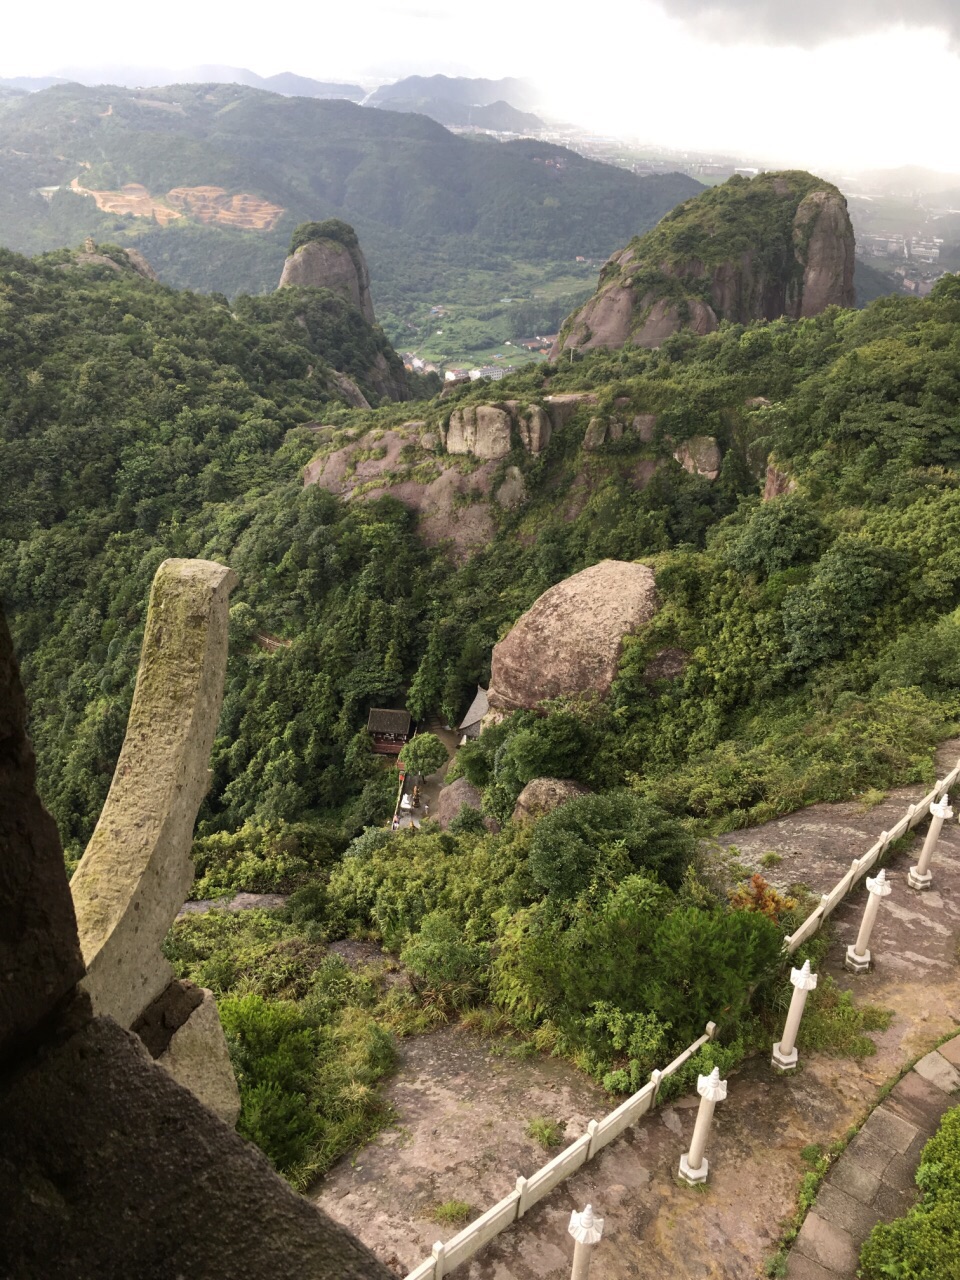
(548, 1133)
(452, 1213)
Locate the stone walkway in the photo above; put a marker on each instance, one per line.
(873, 1180)
(462, 1110)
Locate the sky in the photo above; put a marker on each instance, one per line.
(834, 84)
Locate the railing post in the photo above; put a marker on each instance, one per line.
(857, 959)
(655, 1077)
(920, 876)
(522, 1191)
(693, 1163)
(586, 1231)
(785, 1051)
(439, 1257)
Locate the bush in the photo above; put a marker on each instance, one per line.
(445, 970)
(779, 534)
(606, 837)
(925, 1243)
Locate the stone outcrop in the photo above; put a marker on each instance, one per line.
(776, 483)
(571, 639)
(543, 795)
(452, 799)
(482, 430)
(512, 491)
(700, 455)
(108, 1167)
(136, 871)
(668, 664)
(563, 407)
(487, 430)
(794, 256)
(326, 263)
(349, 391)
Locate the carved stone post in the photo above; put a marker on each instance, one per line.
(857, 959)
(920, 876)
(693, 1163)
(785, 1052)
(586, 1230)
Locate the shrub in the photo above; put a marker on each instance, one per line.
(607, 836)
(778, 535)
(445, 970)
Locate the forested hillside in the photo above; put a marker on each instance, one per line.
(819, 631)
(442, 218)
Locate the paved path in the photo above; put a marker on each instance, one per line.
(462, 1110)
(873, 1180)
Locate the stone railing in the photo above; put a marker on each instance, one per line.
(136, 871)
(530, 1190)
(914, 815)
(600, 1132)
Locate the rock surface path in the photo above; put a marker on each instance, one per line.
(463, 1104)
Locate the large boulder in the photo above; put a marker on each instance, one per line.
(325, 263)
(452, 799)
(543, 795)
(700, 455)
(571, 639)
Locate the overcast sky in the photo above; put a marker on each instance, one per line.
(849, 83)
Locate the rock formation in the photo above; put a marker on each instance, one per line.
(327, 255)
(110, 1167)
(700, 455)
(543, 795)
(779, 244)
(487, 430)
(453, 798)
(571, 639)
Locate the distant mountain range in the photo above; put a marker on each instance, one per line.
(152, 77)
(209, 180)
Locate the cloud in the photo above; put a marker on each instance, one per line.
(809, 23)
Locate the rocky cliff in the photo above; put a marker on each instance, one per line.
(327, 255)
(778, 244)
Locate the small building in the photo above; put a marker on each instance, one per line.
(471, 723)
(390, 730)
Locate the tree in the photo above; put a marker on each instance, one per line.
(424, 754)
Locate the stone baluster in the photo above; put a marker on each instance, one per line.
(920, 876)
(586, 1231)
(785, 1051)
(693, 1163)
(857, 959)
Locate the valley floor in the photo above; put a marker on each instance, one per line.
(463, 1105)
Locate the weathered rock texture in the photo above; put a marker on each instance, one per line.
(328, 264)
(40, 958)
(700, 455)
(781, 244)
(452, 799)
(570, 641)
(108, 1167)
(136, 871)
(181, 1031)
(487, 430)
(543, 795)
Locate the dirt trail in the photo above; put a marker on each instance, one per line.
(462, 1110)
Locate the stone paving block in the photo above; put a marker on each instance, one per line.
(845, 1211)
(951, 1051)
(891, 1203)
(890, 1129)
(831, 1246)
(856, 1181)
(900, 1173)
(800, 1267)
(869, 1153)
(918, 1101)
(935, 1068)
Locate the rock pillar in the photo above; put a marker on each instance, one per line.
(586, 1230)
(857, 959)
(785, 1052)
(920, 876)
(693, 1163)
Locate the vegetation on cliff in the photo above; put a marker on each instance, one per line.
(820, 632)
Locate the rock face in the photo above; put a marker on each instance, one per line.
(700, 455)
(543, 795)
(570, 641)
(486, 430)
(325, 263)
(781, 244)
(777, 483)
(452, 799)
